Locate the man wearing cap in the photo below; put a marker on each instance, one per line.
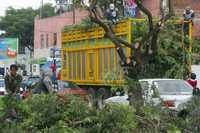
(188, 15)
(112, 13)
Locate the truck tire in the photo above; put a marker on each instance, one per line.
(102, 94)
(91, 97)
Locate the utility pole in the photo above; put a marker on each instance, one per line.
(73, 12)
(41, 9)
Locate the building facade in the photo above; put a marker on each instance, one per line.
(47, 31)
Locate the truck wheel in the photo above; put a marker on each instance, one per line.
(91, 97)
(102, 94)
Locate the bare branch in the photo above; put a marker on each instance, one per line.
(124, 43)
(108, 32)
(146, 12)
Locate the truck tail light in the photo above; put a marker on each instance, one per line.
(2, 93)
(169, 103)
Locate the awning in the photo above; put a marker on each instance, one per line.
(42, 60)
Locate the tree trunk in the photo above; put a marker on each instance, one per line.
(171, 7)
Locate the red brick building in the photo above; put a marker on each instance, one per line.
(47, 31)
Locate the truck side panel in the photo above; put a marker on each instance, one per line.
(89, 58)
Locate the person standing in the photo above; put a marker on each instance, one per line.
(192, 80)
(12, 86)
(13, 81)
(188, 15)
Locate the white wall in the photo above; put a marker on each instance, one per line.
(39, 53)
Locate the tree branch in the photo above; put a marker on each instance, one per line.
(108, 32)
(146, 12)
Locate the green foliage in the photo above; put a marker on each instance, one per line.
(50, 113)
(85, 24)
(116, 119)
(19, 23)
(170, 59)
(192, 120)
(47, 10)
(139, 29)
(196, 50)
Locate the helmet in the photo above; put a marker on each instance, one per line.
(193, 76)
(188, 8)
(112, 6)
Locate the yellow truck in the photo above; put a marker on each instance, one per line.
(90, 60)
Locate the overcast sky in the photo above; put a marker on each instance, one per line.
(4, 4)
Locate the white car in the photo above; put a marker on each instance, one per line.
(174, 93)
(2, 87)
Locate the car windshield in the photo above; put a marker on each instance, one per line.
(172, 87)
(2, 84)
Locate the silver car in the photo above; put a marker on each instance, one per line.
(173, 93)
(2, 88)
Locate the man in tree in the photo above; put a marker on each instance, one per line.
(112, 13)
(188, 16)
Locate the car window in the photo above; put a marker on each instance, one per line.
(172, 86)
(2, 84)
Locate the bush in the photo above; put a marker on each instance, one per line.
(50, 113)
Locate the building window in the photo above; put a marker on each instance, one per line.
(42, 41)
(54, 39)
(47, 40)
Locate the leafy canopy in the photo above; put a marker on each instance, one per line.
(19, 23)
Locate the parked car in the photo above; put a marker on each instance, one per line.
(32, 80)
(173, 93)
(68, 87)
(2, 87)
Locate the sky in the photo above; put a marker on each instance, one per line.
(17, 4)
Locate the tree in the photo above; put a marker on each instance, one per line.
(144, 48)
(19, 23)
(47, 10)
